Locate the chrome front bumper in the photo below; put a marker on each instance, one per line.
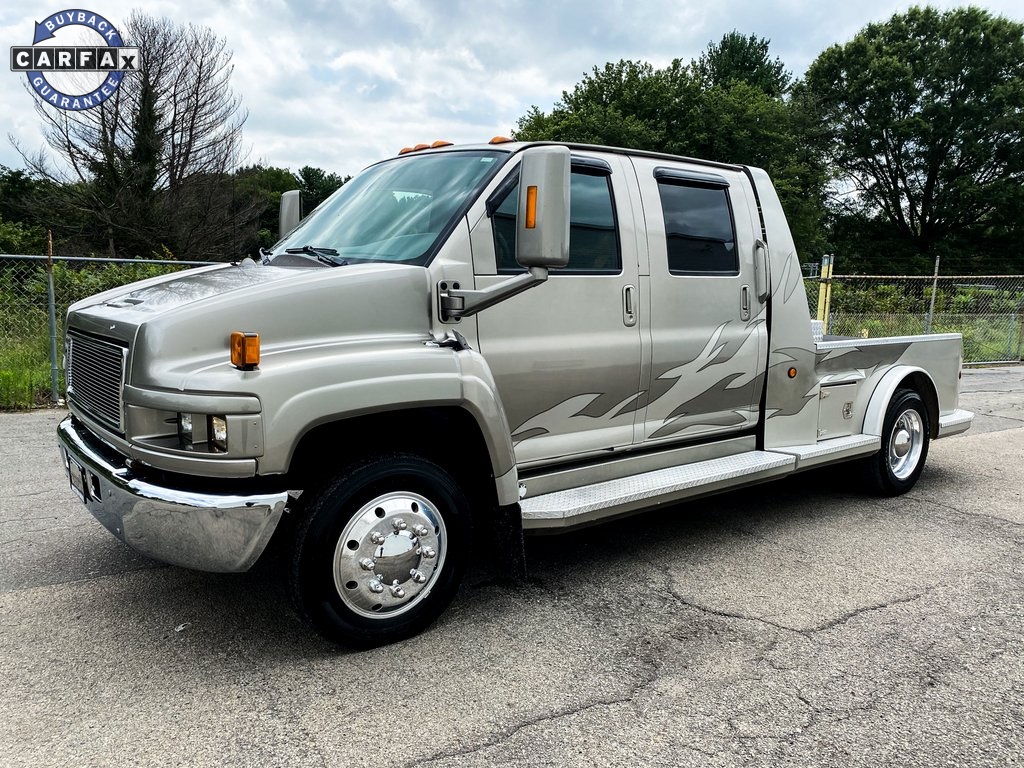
(205, 531)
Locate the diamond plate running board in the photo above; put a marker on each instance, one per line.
(835, 449)
(575, 506)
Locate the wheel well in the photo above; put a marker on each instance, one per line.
(920, 383)
(447, 436)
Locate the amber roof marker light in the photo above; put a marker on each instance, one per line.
(420, 147)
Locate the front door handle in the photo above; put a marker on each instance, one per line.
(745, 303)
(629, 306)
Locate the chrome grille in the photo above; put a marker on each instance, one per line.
(95, 376)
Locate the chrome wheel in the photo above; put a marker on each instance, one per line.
(380, 550)
(906, 442)
(898, 464)
(389, 555)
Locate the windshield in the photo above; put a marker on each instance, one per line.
(396, 210)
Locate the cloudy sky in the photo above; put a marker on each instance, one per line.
(341, 84)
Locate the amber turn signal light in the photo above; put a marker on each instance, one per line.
(245, 350)
(531, 207)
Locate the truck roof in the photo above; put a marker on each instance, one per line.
(517, 146)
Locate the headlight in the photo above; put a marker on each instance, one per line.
(217, 428)
(185, 428)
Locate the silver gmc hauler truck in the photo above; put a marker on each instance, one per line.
(465, 342)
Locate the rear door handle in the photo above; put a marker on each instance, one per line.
(762, 279)
(629, 305)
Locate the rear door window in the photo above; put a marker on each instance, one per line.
(699, 229)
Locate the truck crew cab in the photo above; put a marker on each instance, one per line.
(468, 341)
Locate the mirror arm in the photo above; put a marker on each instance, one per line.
(455, 303)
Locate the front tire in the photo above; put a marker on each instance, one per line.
(894, 470)
(380, 553)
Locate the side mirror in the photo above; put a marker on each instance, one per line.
(542, 230)
(289, 214)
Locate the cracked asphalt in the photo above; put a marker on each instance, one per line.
(800, 623)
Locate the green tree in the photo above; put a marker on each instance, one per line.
(19, 192)
(624, 104)
(736, 58)
(923, 126)
(317, 185)
(148, 144)
(261, 187)
(20, 231)
(20, 238)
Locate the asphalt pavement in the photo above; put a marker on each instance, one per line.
(798, 623)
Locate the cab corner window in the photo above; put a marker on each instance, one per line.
(699, 230)
(593, 235)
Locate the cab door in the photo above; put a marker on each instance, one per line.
(707, 327)
(566, 354)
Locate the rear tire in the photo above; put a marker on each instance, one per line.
(380, 552)
(894, 470)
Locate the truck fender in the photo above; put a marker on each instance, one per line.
(463, 380)
(480, 397)
(874, 415)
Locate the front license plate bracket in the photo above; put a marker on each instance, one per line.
(76, 476)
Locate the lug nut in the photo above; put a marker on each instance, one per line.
(376, 587)
(417, 576)
(420, 530)
(366, 564)
(377, 538)
(397, 591)
(427, 552)
(399, 525)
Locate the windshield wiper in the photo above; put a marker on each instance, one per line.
(326, 255)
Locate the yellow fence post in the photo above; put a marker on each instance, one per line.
(825, 290)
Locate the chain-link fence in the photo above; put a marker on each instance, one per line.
(31, 293)
(987, 309)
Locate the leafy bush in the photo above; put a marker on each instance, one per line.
(18, 237)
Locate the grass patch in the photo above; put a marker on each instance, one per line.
(25, 374)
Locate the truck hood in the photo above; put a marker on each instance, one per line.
(178, 326)
(119, 311)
